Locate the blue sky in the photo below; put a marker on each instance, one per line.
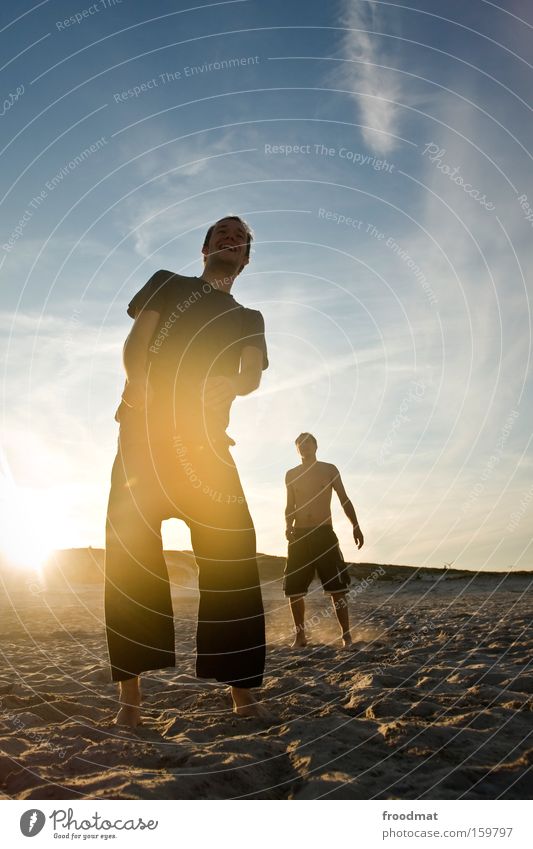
(392, 255)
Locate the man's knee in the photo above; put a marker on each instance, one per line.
(230, 544)
(339, 599)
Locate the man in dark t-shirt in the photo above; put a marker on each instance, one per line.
(200, 337)
(192, 349)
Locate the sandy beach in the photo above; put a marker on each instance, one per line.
(434, 702)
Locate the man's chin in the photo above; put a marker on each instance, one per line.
(228, 263)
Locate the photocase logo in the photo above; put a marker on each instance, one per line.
(32, 822)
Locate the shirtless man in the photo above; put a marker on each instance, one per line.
(313, 544)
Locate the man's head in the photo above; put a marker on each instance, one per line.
(306, 445)
(228, 242)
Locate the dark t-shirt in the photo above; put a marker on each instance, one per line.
(201, 333)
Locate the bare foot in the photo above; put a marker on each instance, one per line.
(300, 642)
(130, 703)
(256, 710)
(129, 715)
(244, 704)
(347, 644)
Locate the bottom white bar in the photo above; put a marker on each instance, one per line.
(259, 824)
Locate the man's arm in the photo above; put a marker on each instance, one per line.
(250, 371)
(221, 391)
(290, 508)
(136, 391)
(347, 506)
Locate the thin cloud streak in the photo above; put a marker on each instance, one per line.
(333, 365)
(375, 90)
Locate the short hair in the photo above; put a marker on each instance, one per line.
(247, 228)
(302, 436)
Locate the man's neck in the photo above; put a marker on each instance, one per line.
(309, 461)
(220, 277)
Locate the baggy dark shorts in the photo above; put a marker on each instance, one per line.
(152, 481)
(315, 551)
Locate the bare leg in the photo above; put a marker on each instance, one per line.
(298, 614)
(130, 703)
(244, 704)
(342, 613)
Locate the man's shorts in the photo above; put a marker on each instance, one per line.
(315, 550)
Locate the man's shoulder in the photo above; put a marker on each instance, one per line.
(164, 275)
(179, 289)
(328, 467)
(292, 473)
(249, 312)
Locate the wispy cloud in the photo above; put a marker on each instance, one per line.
(326, 369)
(375, 89)
(170, 198)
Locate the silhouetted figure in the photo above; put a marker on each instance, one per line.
(313, 545)
(191, 351)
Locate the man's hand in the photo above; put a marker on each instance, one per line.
(358, 536)
(289, 534)
(218, 393)
(137, 394)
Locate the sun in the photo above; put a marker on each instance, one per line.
(29, 526)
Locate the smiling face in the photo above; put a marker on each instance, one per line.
(228, 245)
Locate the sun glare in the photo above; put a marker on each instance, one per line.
(29, 526)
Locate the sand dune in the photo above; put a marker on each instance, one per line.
(435, 702)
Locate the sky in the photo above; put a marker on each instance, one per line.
(381, 154)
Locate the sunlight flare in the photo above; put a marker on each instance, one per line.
(29, 526)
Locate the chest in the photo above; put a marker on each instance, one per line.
(311, 485)
(200, 327)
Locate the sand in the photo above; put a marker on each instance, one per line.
(434, 702)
